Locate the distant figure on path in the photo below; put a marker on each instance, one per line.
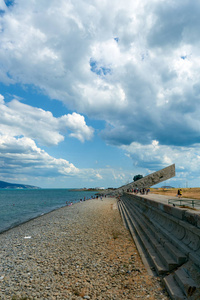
(179, 193)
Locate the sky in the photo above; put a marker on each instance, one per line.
(93, 93)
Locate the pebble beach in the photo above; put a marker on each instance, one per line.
(81, 251)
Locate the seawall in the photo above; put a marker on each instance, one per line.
(170, 239)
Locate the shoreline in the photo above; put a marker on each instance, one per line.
(17, 210)
(30, 219)
(79, 252)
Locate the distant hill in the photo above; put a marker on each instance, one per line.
(6, 185)
(167, 187)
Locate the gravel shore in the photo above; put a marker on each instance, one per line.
(81, 251)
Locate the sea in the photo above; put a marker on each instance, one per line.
(21, 205)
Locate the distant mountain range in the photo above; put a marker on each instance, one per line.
(6, 185)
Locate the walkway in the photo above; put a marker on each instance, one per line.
(164, 199)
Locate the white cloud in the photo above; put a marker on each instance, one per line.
(129, 64)
(51, 46)
(76, 123)
(154, 157)
(18, 119)
(22, 153)
(99, 176)
(21, 160)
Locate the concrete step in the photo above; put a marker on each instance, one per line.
(173, 288)
(162, 238)
(164, 255)
(119, 203)
(160, 267)
(185, 281)
(180, 257)
(183, 243)
(156, 261)
(143, 253)
(146, 228)
(174, 252)
(175, 241)
(181, 285)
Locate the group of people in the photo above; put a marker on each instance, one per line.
(69, 203)
(94, 197)
(144, 191)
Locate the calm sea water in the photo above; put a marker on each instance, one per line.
(18, 206)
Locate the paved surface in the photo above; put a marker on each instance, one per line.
(164, 199)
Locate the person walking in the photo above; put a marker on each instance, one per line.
(179, 193)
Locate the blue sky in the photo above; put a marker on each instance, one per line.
(95, 92)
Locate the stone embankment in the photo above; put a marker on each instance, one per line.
(168, 239)
(77, 252)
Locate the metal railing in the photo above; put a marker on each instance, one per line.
(184, 202)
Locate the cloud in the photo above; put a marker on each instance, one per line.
(137, 68)
(21, 160)
(18, 119)
(22, 153)
(127, 69)
(99, 176)
(180, 27)
(76, 123)
(153, 157)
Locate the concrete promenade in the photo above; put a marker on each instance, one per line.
(164, 199)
